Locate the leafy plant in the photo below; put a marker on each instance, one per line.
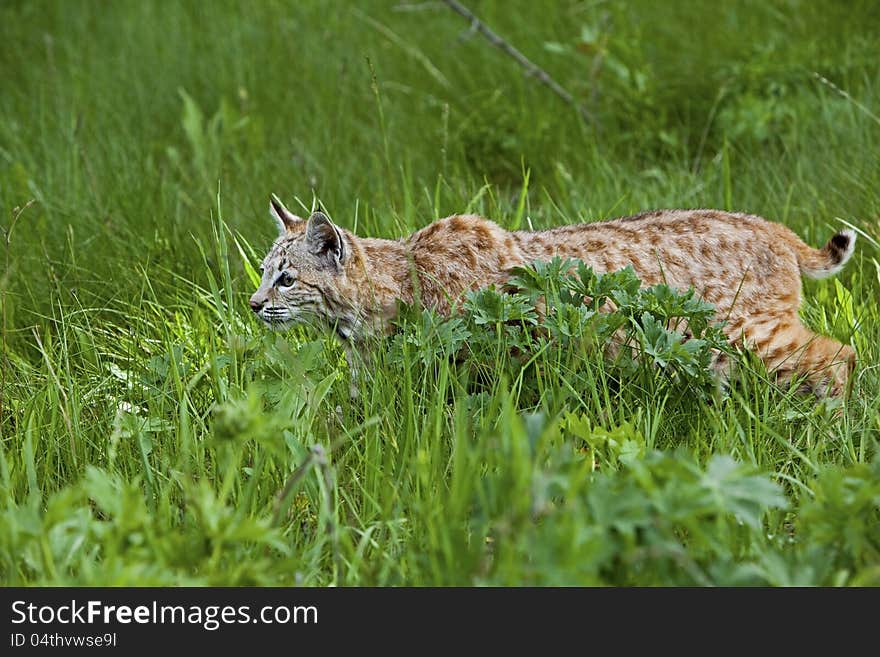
(565, 307)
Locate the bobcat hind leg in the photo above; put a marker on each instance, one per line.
(825, 363)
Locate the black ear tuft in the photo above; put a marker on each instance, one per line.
(325, 239)
(285, 218)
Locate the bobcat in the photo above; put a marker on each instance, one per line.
(748, 267)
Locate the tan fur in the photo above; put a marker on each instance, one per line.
(748, 267)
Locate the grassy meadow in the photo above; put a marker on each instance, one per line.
(152, 432)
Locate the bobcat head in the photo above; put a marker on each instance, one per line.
(304, 275)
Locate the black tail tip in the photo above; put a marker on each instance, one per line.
(841, 241)
(840, 247)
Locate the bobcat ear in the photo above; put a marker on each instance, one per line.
(325, 239)
(285, 219)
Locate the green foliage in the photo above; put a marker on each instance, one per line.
(431, 336)
(843, 518)
(551, 313)
(489, 307)
(655, 326)
(152, 432)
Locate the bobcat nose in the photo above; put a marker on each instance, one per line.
(256, 304)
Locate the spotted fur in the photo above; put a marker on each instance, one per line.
(748, 267)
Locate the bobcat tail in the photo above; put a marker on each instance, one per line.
(830, 259)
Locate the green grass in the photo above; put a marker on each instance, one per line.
(154, 433)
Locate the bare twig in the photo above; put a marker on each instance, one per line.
(530, 67)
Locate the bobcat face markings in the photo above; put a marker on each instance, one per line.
(302, 273)
(276, 301)
(284, 296)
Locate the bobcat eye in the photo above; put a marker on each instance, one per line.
(285, 280)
